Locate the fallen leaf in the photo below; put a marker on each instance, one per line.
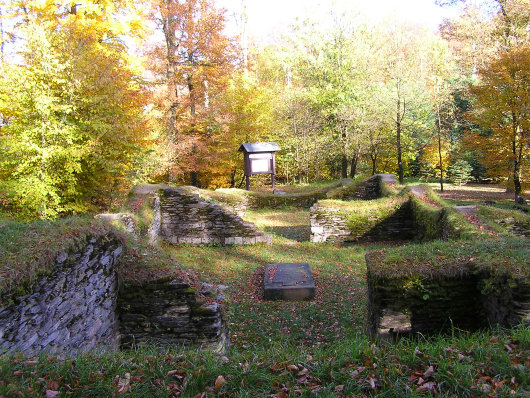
(427, 386)
(51, 393)
(303, 372)
(292, 367)
(339, 388)
(124, 384)
(219, 382)
(179, 374)
(428, 373)
(53, 385)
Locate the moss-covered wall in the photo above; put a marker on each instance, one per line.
(376, 186)
(471, 298)
(355, 221)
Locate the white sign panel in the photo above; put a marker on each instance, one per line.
(260, 165)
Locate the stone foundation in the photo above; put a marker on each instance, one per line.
(408, 304)
(167, 313)
(79, 307)
(73, 308)
(371, 188)
(329, 224)
(189, 219)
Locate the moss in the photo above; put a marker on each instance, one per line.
(446, 258)
(29, 250)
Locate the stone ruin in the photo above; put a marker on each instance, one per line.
(183, 217)
(81, 306)
(189, 219)
(397, 305)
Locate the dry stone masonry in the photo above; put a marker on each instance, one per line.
(402, 305)
(73, 308)
(189, 219)
(330, 224)
(80, 306)
(167, 312)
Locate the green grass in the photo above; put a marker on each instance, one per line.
(502, 220)
(29, 249)
(480, 364)
(336, 312)
(450, 258)
(311, 348)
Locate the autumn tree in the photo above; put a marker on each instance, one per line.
(404, 84)
(499, 85)
(194, 64)
(74, 111)
(502, 108)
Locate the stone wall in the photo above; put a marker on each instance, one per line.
(71, 309)
(329, 224)
(403, 305)
(371, 188)
(189, 219)
(167, 312)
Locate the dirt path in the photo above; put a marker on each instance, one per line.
(419, 192)
(469, 213)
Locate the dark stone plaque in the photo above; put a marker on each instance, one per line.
(288, 281)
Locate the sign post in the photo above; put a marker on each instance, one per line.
(259, 158)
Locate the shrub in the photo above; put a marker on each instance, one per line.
(460, 172)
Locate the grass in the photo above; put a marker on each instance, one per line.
(446, 258)
(503, 221)
(480, 364)
(336, 312)
(280, 349)
(29, 249)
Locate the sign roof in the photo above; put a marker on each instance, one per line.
(253, 147)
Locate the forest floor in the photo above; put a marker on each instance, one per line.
(476, 194)
(282, 349)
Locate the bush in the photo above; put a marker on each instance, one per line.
(460, 172)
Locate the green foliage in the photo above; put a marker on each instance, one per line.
(74, 120)
(460, 172)
(427, 219)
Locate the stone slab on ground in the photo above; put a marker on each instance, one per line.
(288, 281)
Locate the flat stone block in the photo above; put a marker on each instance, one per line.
(288, 281)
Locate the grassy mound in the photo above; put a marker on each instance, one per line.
(29, 251)
(435, 218)
(445, 258)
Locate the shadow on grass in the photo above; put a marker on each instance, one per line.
(298, 233)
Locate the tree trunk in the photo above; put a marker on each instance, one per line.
(373, 157)
(353, 169)
(344, 158)
(440, 149)
(398, 141)
(344, 166)
(517, 157)
(233, 178)
(168, 26)
(191, 89)
(194, 179)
